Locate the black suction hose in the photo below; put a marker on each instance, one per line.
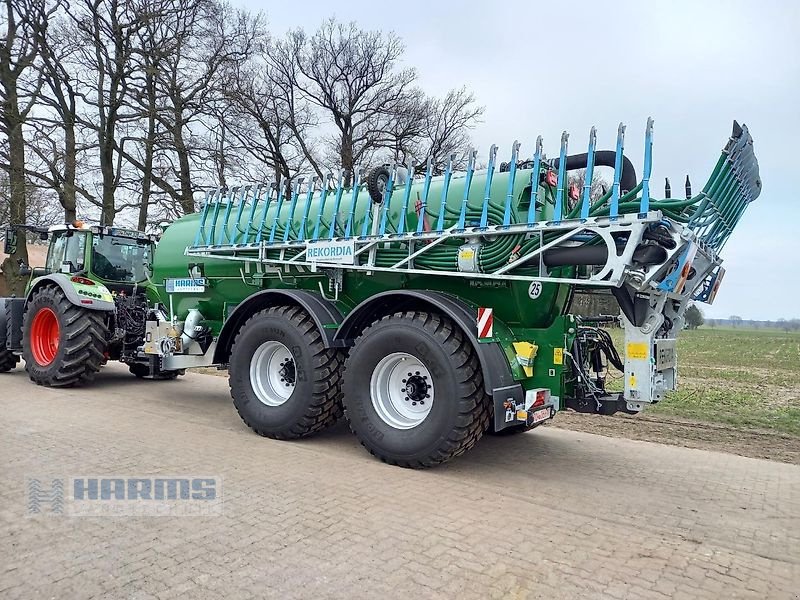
(603, 158)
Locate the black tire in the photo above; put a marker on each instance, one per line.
(168, 375)
(81, 345)
(8, 360)
(460, 410)
(377, 179)
(139, 370)
(315, 401)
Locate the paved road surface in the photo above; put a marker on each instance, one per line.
(550, 514)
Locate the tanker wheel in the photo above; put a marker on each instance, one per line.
(8, 360)
(413, 390)
(62, 344)
(284, 382)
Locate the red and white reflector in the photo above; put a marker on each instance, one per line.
(485, 322)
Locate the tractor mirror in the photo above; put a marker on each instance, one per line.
(10, 244)
(24, 270)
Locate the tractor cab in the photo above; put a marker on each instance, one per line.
(119, 258)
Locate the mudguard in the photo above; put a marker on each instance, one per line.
(497, 376)
(90, 297)
(326, 316)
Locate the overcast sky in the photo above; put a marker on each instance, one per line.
(543, 67)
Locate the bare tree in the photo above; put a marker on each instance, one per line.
(153, 44)
(19, 48)
(353, 75)
(272, 123)
(107, 30)
(436, 128)
(145, 102)
(200, 40)
(56, 144)
(209, 38)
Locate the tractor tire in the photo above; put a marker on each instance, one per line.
(377, 180)
(285, 384)
(62, 344)
(413, 390)
(8, 360)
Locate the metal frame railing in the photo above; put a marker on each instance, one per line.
(706, 220)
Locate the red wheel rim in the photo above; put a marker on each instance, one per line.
(45, 332)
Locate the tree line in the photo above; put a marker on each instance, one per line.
(132, 107)
(735, 321)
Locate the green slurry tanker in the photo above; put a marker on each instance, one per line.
(426, 310)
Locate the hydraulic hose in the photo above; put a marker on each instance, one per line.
(497, 254)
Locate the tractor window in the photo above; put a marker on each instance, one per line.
(66, 248)
(55, 255)
(76, 248)
(120, 259)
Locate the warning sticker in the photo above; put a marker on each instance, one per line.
(558, 356)
(637, 351)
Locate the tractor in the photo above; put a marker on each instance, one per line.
(86, 306)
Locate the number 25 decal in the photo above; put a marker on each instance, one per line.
(535, 289)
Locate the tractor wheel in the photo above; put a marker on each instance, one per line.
(62, 344)
(284, 382)
(8, 360)
(413, 390)
(377, 180)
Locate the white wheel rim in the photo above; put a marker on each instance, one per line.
(272, 373)
(401, 388)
